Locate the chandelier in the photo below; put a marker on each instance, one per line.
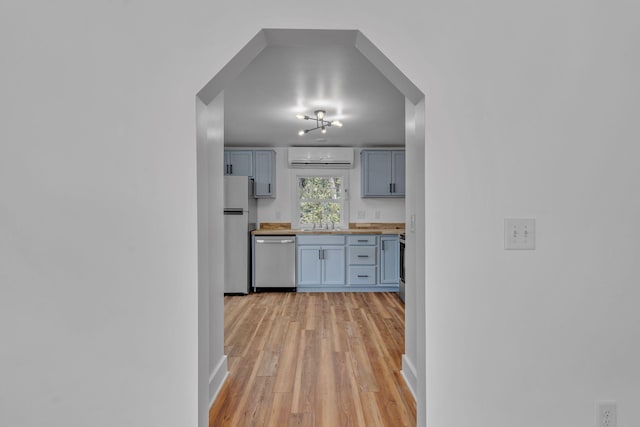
(321, 123)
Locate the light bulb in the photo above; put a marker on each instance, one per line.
(323, 130)
(300, 116)
(336, 123)
(301, 133)
(320, 114)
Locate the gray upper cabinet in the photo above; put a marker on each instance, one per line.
(398, 172)
(383, 173)
(238, 162)
(264, 173)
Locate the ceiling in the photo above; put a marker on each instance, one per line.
(261, 103)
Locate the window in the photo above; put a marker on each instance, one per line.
(320, 200)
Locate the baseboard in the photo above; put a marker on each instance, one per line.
(409, 374)
(217, 379)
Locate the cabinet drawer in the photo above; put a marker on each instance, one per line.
(362, 240)
(315, 239)
(362, 255)
(362, 275)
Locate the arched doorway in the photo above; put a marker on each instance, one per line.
(210, 143)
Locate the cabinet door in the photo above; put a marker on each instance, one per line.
(389, 260)
(376, 173)
(240, 163)
(398, 160)
(309, 265)
(225, 166)
(333, 272)
(264, 176)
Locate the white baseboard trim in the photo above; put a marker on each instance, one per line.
(217, 378)
(409, 374)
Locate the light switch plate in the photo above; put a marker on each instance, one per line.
(520, 234)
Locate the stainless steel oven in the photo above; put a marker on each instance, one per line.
(402, 245)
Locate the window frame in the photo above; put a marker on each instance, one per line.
(344, 205)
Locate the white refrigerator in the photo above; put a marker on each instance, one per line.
(239, 220)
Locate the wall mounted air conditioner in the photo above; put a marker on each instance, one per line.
(320, 157)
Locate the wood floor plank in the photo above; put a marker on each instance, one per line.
(314, 359)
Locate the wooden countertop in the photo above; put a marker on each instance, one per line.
(284, 229)
(292, 232)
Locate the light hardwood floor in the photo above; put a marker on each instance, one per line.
(314, 359)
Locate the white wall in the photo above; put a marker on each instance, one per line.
(281, 208)
(413, 357)
(531, 111)
(98, 251)
(211, 254)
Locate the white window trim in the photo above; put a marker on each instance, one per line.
(344, 211)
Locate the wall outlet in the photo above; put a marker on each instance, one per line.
(607, 414)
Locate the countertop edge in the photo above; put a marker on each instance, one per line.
(324, 232)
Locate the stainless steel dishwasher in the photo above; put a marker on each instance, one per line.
(274, 262)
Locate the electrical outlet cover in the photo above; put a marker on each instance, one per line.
(606, 414)
(520, 233)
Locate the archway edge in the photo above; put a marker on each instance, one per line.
(308, 37)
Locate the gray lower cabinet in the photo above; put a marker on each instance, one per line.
(362, 260)
(320, 262)
(389, 259)
(362, 263)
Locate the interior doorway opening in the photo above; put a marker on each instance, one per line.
(210, 134)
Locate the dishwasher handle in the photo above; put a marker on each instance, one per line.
(278, 242)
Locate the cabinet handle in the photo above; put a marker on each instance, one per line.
(319, 253)
(394, 188)
(363, 240)
(231, 169)
(390, 188)
(269, 191)
(383, 245)
(363, 256)
(363, 275)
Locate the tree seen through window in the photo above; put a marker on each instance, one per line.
(320, 199)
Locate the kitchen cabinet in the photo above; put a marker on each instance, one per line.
(389, 259)
(362, 260)
(264, 173)
(321, 261)
(238, 162)
(383, 173)
(343, 263)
